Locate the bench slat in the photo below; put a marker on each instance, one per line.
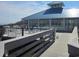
(16, 53)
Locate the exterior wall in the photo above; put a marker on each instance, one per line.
(63, 24)
(73, 44)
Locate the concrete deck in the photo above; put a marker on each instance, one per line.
(59, 48)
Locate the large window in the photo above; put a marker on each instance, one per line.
(57, 22)
(38, 23)
(33, 23)
(44, 23)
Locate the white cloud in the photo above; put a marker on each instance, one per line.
(12, 12)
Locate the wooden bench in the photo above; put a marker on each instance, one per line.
(29, 46)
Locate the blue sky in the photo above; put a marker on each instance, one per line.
(13, 11)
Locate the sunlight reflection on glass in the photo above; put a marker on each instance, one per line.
(73, 12)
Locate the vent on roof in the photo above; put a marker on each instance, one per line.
(56, 4)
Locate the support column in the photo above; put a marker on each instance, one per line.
(64, 27)
(50, 23)
(38, 24)
(28, 27)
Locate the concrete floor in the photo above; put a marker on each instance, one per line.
(59, 48)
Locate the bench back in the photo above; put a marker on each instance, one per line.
(30, 45)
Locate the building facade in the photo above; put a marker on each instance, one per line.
(56, 16)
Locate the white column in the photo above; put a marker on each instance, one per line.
(28, 27)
